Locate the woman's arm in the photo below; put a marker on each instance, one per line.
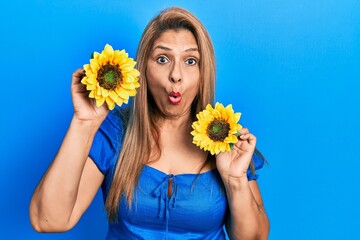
(68, 186)
(246, 218)
(72, 180)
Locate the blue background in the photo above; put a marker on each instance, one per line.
(291, 67)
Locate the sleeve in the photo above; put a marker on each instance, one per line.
(107, 142)
(258, 161)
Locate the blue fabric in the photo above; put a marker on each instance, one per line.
(195, 210)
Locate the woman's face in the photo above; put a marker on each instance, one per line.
(172, 72)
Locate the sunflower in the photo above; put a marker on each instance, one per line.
(111, 77)
(216, 129)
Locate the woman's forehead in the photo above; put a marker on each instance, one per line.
(170, 39)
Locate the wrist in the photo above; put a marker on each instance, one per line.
(235, 182)
(85, 125)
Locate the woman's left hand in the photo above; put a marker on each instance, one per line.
(236, 162)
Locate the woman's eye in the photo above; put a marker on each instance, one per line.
(191, 61)
(162, 60)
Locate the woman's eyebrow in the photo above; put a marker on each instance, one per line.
(169, 49)
(192, 50)
(163, 48)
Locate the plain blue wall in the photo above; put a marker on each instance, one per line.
(291, 67)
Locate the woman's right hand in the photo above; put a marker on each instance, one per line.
(85, 109)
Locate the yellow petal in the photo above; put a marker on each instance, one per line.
(92, 94)
(119, 101)
(104, 92)
(129, 78)
(94, 65)
(122, 93)
(102, 60)
(126, 67)
(113, 94)
(96, 55)
(128, 85)
(91, 80)
(110, 103)
(237, 117)
(100, 101)
(228, 149)
(84, 80)
(120, 57)
(134, 72)
(108, 52)
(222, 147)
(231, 139)
(90, 87)
(87, 68)
(98, 91)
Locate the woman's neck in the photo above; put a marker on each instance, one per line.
(177, 152)
(179, 124)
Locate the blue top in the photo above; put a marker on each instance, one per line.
(195, 210)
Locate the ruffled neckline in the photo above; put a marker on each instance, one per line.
(157, 171)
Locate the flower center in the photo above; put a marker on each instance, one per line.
(218, 130)
(109, 76)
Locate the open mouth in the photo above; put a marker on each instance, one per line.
(174, 98)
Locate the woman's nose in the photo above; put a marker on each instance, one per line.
(175, 75)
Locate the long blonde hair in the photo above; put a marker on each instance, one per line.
(142, 133)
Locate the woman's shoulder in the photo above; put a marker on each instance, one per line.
(116, 119)
(108, 139)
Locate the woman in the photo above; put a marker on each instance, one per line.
(156, 183)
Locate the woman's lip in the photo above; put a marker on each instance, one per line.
(174, 98)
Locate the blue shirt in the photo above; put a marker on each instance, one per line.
(195, 210)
